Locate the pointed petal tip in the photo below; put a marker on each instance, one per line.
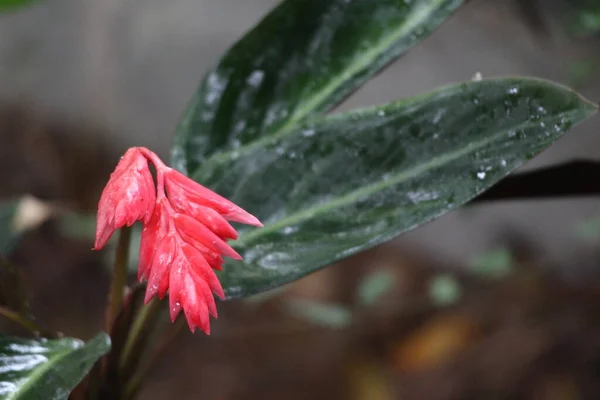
(254, 221)
(102, 238)
(191, 323)
(150, 294)
(244, 217)
(234, 255)
(219, 293)
(174, 313)
(250, 219)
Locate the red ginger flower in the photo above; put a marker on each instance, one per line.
(184, 236)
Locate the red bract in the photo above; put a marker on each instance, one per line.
(184, 237)
(187, 194)
(129, 196)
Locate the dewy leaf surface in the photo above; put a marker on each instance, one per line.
(46, 369)
(301, 59)
(345, 183)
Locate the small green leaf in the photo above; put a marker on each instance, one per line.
(78, 225)
(83, 226)
(302, 59)
(492, 264)
(589, 230)
(444, 290)
(46, 369)
(8, 235)
(374, 286)
(134, 250)
(324, 314)
(582, 72)
(262, 297)
(9, 5)
(586, 21)
(345, 183)
(12, 288)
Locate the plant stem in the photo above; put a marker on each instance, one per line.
(138, 335)
(119, 279)
(28, 324)
(134, 384)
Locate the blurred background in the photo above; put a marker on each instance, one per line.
(494, 301)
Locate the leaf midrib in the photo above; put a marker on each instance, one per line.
(399, 178)
(414, 19)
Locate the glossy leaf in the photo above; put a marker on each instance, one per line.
(302, 59)
(337, 186)
(46, 369)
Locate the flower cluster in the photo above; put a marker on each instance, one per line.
(184, 237)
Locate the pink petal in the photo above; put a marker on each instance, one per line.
(202, 234)
(149, 193)
(176, 285)
(159, 277)
(194, 307)
(213, 257)
(204, 291)
(200, 267)
(200, 195)
(153, 232)
(205, 215)
(128, 196)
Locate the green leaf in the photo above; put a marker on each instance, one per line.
(8, 236)
(83, 226)
(302, 59)
(589, 229)
(345, 183)
(262, 297)
(444, 290)
(324, 314)
(374, 286)
(586, 21)
(9, 5)
(12, 288)
(582, 72)
(46, 369)
(494, 264)
(78, 225)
